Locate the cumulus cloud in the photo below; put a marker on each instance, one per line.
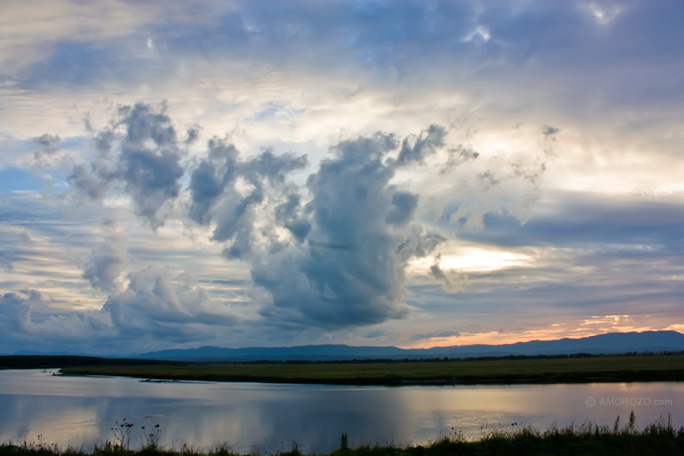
(16, 311)
(17, 318)
(361, 235)
(295, 75)
(228, 191)
(140, 153)
(154, 305)
(332, 253)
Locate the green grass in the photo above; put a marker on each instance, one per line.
(656, 439)
(500, 370)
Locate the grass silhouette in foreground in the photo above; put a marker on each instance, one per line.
(588, 439)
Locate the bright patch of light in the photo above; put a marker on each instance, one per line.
(604, 15)
(472, 259)
(482, 260)
(481, 33)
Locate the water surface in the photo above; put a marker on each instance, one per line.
(80, 411)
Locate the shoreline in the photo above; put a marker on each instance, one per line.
(609, 369)
(388, 383)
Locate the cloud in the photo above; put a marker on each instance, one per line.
(210, 178)
(436, 335)
(548, 130)
(586, 219)
(228, 191)
(17, 320)
(16, 311)
(103, 267)
(424, 145)
(458, 156)
(332, 253)
(361, 235)
(452, 281)
(5, 262)
(153, 305)
(48, 147)
(141, 154)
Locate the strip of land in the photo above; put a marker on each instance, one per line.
(624, 368)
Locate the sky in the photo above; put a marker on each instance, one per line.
(178, 173)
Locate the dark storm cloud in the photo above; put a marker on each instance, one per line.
(141, 153)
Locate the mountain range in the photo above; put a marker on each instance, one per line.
(641, 342)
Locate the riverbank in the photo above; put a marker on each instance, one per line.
(588, 439)
(624, 368)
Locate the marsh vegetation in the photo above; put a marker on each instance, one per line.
(567, 369)
(588, 439)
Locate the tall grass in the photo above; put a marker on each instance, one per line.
(660, 438)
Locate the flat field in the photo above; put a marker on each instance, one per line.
(661, 367)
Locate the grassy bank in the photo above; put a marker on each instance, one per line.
(657, 439)
(489, 371)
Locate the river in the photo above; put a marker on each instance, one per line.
(36, 406)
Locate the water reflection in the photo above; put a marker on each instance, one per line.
(80, 411)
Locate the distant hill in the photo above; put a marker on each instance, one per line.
(648, 341)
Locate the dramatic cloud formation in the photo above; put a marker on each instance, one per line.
(388, 173)
(352, 271)
(332, 254)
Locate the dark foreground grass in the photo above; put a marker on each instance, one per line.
(588, 439)
(662, 367)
